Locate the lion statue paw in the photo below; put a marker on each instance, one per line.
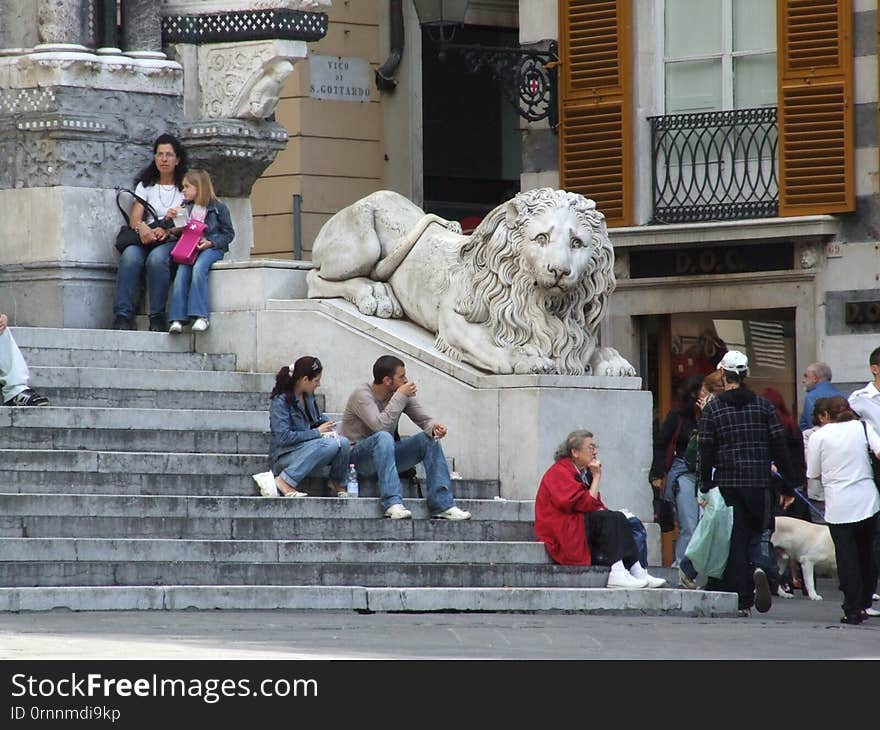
(608, 361)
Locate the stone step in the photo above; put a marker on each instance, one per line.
(140, 359)
(248, 518)
(138, 388)
(141, 429)
(113, 571)
(141, 398)
(128, 463)
(361, 598)
(248, 528)
(103, 340)
(213, 507)
(321, 552)
(238, 483)
(141, 419)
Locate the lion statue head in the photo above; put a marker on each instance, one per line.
(540, 269)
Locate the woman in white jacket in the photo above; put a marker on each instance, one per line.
(838, 455)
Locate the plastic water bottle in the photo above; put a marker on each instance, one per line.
(352, 485)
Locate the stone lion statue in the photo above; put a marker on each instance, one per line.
(525, 293)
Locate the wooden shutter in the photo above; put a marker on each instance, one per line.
(595, 139)
(816, 128)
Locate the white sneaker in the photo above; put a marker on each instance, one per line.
(200, 325)
(872, 612)
(176, 328)
(654, 581)
(398, 512)
(266, 482)
(453, 513)
(624, 579)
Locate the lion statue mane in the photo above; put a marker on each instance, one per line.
(525, 293)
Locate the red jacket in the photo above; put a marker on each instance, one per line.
(560, 505)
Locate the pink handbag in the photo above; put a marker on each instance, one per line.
(185, 251)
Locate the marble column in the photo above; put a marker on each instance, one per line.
(142, 29)
(60, 25)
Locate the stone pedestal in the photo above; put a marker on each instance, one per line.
(75, 125)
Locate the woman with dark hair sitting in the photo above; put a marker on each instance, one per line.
(302, 439)
(838, 455)
(574, 524)
(161, 184)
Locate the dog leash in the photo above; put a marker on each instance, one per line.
(809, 504)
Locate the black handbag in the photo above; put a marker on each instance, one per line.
(127, 236)
(872, 459)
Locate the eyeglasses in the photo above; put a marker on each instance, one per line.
(165, 155)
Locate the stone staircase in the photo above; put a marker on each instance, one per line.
(133, 490)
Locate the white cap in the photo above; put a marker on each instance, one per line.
(734, 362)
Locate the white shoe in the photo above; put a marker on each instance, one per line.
(653, 581)
(875, 597)
(176, 328)
(398, 512)
(624, 579)
(266, 482)
(872, 612)
(200, 325)
(296, 493)
(453, 513)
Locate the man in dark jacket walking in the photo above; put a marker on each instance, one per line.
(739, 437)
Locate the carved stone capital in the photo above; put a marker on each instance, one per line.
(43, 69)
(244, 80)
(235, 151)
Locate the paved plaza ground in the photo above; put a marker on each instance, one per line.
(793, 629)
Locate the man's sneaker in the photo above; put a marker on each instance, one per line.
(200, 325)
(27, 398)
(654, 581)
(123, 323)
(625, 579)
(398, 512)
(872, 612)
(685, 581)
(453, 513)
(266, 483)
(763, 599)
(176, 328)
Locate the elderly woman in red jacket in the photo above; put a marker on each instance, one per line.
(576, 527)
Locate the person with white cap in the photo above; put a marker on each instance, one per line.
(739, 438)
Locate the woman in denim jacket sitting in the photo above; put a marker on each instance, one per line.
(302, 439)
(189, 293)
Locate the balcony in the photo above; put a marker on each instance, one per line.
(714, 166)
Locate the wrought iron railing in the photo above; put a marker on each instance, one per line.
(714, 165)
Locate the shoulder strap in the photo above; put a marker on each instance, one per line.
(147, 207)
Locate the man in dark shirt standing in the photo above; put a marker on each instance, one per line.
(739, 437)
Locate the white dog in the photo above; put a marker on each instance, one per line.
(809, 544)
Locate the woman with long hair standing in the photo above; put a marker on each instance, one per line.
(838, 455)
(301, 439)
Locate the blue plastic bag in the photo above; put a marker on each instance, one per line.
(710, 544)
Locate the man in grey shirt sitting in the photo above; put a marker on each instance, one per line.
(370, 422)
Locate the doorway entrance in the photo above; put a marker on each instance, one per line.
(679, 346)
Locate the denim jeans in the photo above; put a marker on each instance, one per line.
(309, 456)
(640, 538)
(687, 511)
(380, 456)
(131, 263)
(189, 293)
